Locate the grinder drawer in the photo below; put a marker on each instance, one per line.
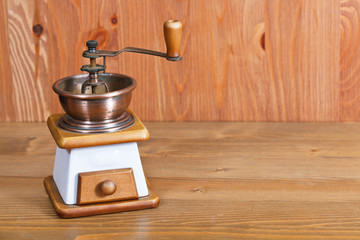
(106, 186)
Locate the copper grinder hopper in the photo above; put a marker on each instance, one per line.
(96, 102)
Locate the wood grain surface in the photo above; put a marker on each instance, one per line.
(349, 68)
(227, 181)
(243, 60)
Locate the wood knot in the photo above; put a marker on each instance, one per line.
(38, 30)
(259, 40)
(220, 170)
(114, 19)
(262, 41)
(101, 35)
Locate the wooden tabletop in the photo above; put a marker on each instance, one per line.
(215, 181)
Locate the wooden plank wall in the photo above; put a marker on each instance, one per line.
(243, 60)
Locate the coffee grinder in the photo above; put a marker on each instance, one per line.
(97, 167)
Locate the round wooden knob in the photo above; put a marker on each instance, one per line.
(172, 33)
(108, 187)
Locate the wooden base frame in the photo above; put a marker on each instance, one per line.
(73, 211)
(69, 140)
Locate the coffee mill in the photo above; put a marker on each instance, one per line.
(97, 167)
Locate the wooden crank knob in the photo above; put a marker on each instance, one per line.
(172, 33)
(108, 187)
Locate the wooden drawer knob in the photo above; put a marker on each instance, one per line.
(108, 187)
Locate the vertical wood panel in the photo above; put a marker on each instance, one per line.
(248, 60)
(303, 59)
(29, 88)
(350, 55)
(6, 89)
